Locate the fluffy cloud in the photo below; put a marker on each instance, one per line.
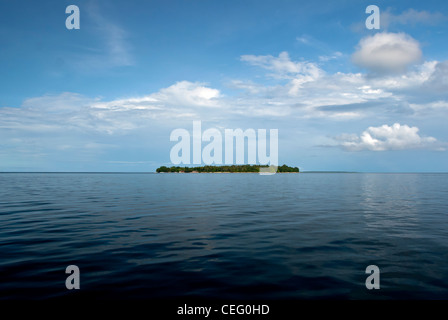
(182, 94)
(188, 93)
(395, 137)
(387, 52)
(308, 92)
(70, 125)
(77, 113)
(339, 95)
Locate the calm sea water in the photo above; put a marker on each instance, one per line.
(238, 236)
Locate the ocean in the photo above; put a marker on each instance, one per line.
(225, 236)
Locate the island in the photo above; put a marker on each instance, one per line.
(224, 169)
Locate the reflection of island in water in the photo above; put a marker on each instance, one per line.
(225, 169)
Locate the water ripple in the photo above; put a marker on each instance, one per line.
(307, 236)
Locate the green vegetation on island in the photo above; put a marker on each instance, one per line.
(218, 169)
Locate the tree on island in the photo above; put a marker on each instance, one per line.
(225, 168)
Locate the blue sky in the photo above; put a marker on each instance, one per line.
(107, 96)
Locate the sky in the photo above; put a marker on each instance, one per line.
(106, 96)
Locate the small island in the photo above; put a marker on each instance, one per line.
(224, 169)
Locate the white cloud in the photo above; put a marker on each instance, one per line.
(352, 94)
(308, 92)
(182, 94)
(387, 52)
(411, 80)
(74, 112)
(283, 67)
(53, 104)
(438, 79)
(395, 137)
(248, 86)
(411, 17)
(430, 108)
(188, 93)
(335, 55)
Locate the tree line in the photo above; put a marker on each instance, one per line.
(225, 168)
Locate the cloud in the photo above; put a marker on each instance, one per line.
(438, 80)
(68, 126)
(395, 137)
(428, 109)
(307, 93)
(387, 53)
(339, 95)
(117, 47)
(113, 48)
(72, 126)
(413, 79)
(315, 43)
(411, 17)
(71, 112)
(182, 94)
(303, 39)
(335, 55)
(283, 67)
(189, 93)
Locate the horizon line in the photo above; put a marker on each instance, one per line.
(148, 172)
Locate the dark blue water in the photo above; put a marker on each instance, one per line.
(239, 236)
